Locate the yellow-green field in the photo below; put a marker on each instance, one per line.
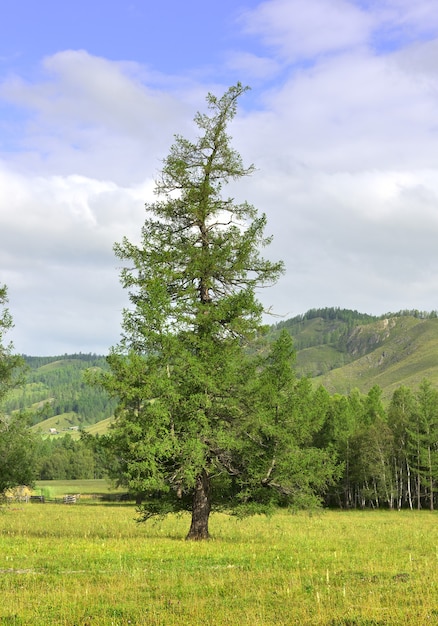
(91, 564)
(57, 488)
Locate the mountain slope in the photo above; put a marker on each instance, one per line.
(56, 392)
(407, 353)
(399, 349)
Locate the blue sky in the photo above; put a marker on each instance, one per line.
(168, 36)
(341, 123)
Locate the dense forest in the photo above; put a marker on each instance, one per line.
(388, 455)
(67, 458)
(55, 387)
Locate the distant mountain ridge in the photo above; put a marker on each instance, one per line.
(340, 349)
(343, 349)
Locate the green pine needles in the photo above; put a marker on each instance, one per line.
(200, 422)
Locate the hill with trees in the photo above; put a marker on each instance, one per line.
(57, 396)
(343, 349)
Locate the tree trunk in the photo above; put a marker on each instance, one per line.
(408, 471)
(201, 508)
(429, 456)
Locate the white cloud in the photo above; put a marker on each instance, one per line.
(95, 117)
(92, 90)
(252, 66)
(70, 217)
(298, 30)
(56, 239)
(346, 151)
(403, 20)
(352, 112)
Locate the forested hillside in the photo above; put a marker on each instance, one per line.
(343, 350)
(56, 394)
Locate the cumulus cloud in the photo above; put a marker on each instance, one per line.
(349, 142)
(350, 112)
(298, 30)
(401, 21)
(56, 239)
(75, 181)
(53, 214)
(94, 117)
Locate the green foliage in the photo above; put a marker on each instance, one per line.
(56, 386)
(339, 318)
(422, 434)
(16, 441)
(282, 463)
(17, 452)
(11, 365)
(66, 459)
(202, 421)
(389, 456)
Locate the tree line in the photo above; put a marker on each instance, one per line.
(388, 455)
(377, 455)
(66, 458)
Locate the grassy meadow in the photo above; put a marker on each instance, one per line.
(91, 564)
(54, 489)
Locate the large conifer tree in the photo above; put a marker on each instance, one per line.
(186, 434)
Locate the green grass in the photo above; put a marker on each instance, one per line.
(61, 422)
(64, 421)
(316, 360)
(90, 564)
(100, 428)
(84, 487)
